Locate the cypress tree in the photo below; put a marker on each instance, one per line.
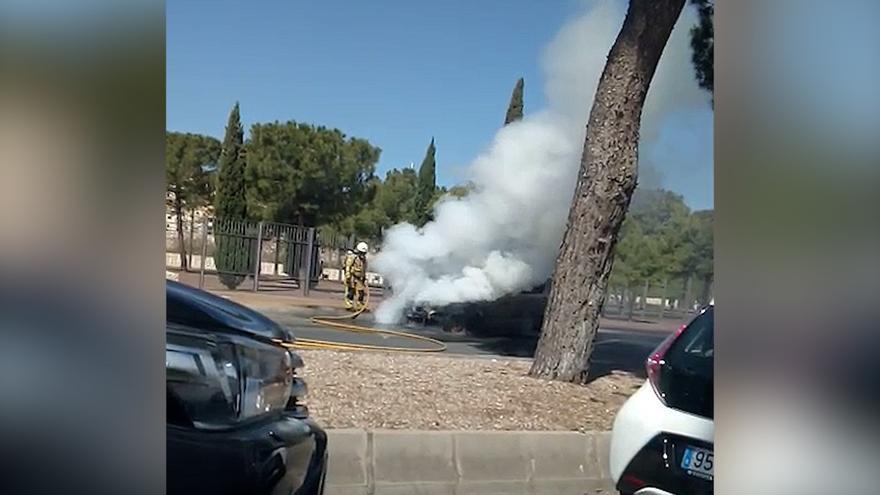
(515, 108)
(427, 186)
(232, 252)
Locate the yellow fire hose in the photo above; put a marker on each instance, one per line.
(339, 323)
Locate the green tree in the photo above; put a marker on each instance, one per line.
(690, 252)
(704, 245)
(367, 222)
(232, 253)
(703, 45)
(393, 201)
(189, 159)
(657, 209)
(366, 225)
(515, 107)
(662, 239)
(308, 175)
(638, 258)
(230, 199)
(650, 245)
(427, 186)
(606, 181)
(396, 198)
(462, 190)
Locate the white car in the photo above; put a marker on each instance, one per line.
(663, 437)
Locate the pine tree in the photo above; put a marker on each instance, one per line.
(515, 108)
(606, 181)
(232, 252)
(703, 45)
(427, 186)
(186, 178)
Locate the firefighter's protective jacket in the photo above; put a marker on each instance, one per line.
(357, 268)
(346, 267)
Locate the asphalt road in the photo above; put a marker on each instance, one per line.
(623, 350)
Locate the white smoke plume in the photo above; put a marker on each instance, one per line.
(504, 236)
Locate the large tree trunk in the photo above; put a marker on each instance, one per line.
(605, 185)
(663, 299)
(688, 298)
(178, 210)
(631, 305)
(705, 290)
(192, 233)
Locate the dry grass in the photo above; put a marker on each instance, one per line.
(412, 391)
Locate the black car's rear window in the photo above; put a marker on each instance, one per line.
(688, 372)
(697, 342)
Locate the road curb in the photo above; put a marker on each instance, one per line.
(460, 462)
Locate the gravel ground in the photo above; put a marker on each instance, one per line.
(432, 392)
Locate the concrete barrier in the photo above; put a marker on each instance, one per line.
(392, 462)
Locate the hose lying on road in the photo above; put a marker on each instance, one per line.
(339, 322)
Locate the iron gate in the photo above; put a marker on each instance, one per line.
(274, 255)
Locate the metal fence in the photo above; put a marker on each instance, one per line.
(269, 254)
(672, 298)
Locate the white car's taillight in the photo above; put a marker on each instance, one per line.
(654, 363)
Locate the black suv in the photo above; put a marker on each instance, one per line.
(235, 420)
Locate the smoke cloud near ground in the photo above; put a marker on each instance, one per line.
(504, 236)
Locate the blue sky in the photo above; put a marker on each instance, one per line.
(395, 72)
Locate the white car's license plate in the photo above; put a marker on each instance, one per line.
(698, 462)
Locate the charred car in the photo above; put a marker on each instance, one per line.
(520, 313)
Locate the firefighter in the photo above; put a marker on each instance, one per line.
(346, 275)
(356, 278)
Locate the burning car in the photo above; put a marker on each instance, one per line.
(520, 313)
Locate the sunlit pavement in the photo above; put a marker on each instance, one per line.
(616, 349)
